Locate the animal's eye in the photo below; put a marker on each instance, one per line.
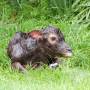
(53, 38)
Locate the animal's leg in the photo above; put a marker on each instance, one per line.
(37, 65)
(18, 66)
(54, 63)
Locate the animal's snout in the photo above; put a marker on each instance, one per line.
(69, 49)
(69, 52)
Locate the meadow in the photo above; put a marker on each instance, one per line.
(74, 72)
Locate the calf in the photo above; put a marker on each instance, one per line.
(37, 48)
(55, 45)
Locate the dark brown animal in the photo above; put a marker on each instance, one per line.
(56, 45)
(37, 48)
(56, 41)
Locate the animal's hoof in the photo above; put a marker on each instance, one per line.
(54, 65)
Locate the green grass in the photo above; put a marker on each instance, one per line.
(46, 79)
(74, 73)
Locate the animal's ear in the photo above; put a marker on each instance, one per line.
(43, 39)
(45, 35)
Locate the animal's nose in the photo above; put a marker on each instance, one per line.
(69, 49)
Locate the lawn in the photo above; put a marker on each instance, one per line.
(73, 74)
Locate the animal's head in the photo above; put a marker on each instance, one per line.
(55, 41)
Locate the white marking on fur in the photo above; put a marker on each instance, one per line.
(54, 65)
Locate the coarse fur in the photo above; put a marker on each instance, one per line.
(37, 48)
